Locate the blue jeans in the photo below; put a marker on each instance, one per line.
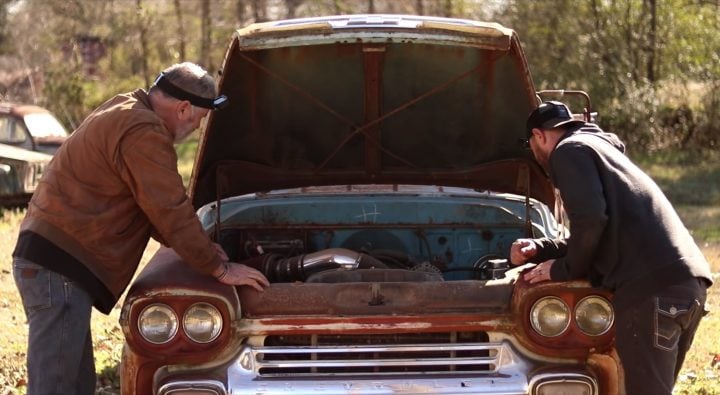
(60, 352)
(653, 336)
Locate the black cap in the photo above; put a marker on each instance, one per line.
(551, 115)
(173, 90)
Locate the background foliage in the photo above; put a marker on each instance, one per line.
(651, 67)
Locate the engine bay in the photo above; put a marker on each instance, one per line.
(376, 233)
(373, 254)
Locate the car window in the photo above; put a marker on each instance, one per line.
(44, 125)
(11, 132)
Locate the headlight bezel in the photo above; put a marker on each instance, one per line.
(181, 345)
(572, 341)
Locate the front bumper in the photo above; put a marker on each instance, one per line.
(325, 371)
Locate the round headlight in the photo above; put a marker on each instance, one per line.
(594, 315)
(157, 323)
(202, 322)
(550, 316)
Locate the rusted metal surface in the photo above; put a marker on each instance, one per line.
(354, 118)
(167, 275)
(372, 67)
(609, 372)
(570, 342)
(428, 298)
(496, 306)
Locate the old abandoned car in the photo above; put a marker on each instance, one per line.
(30, 127)
(29, 135)
(20, 173)
(369, 165)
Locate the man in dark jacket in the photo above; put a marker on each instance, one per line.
(624, 236)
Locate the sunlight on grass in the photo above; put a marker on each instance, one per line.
(687, 178)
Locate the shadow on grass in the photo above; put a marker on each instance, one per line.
(108, 381)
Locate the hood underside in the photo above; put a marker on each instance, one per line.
(370, 99)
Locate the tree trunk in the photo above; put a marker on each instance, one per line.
(632, 49)
(240, 12)
(292, 6)
(652, 42)
(258, 7)
(205, 34)
(448, 11)
(419, 9)
(180, 30)
(371, 6)
(142, 29)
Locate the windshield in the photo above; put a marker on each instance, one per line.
(44, 125)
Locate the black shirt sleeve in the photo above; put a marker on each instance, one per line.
(575, 174)
(548, 248)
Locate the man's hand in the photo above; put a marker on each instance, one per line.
(539, 273)
(522, 250)
(231, 273)
(239, 274)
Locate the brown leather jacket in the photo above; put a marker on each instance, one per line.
(112, 185)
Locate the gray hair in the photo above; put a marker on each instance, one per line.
(191, 78)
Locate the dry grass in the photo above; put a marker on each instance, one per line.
(107, 336)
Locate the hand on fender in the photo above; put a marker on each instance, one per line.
(539, 273)
(239, 274)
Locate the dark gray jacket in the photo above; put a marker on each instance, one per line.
(624, 233)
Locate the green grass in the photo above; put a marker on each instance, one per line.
(687, 178)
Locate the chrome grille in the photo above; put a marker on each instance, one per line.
(376, 355)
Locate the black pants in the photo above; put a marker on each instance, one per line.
(654, 334)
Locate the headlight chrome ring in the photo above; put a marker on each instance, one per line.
(594, 315)
(157, 323)
(550, 316)
(202, 323)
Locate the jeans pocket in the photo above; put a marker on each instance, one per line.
(672, 317)
(33, 283)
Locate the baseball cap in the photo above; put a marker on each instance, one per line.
(550, 115)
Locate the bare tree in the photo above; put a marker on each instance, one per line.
(180, 29)
(142, 29)
(419, 9)
(240, 12)
(337, 6)
(205, 33)
(291, 6)
(259, 10)
(652, 41)
(448, 9)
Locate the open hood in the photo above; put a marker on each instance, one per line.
(370, 99)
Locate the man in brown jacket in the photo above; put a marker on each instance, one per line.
(110, 187)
